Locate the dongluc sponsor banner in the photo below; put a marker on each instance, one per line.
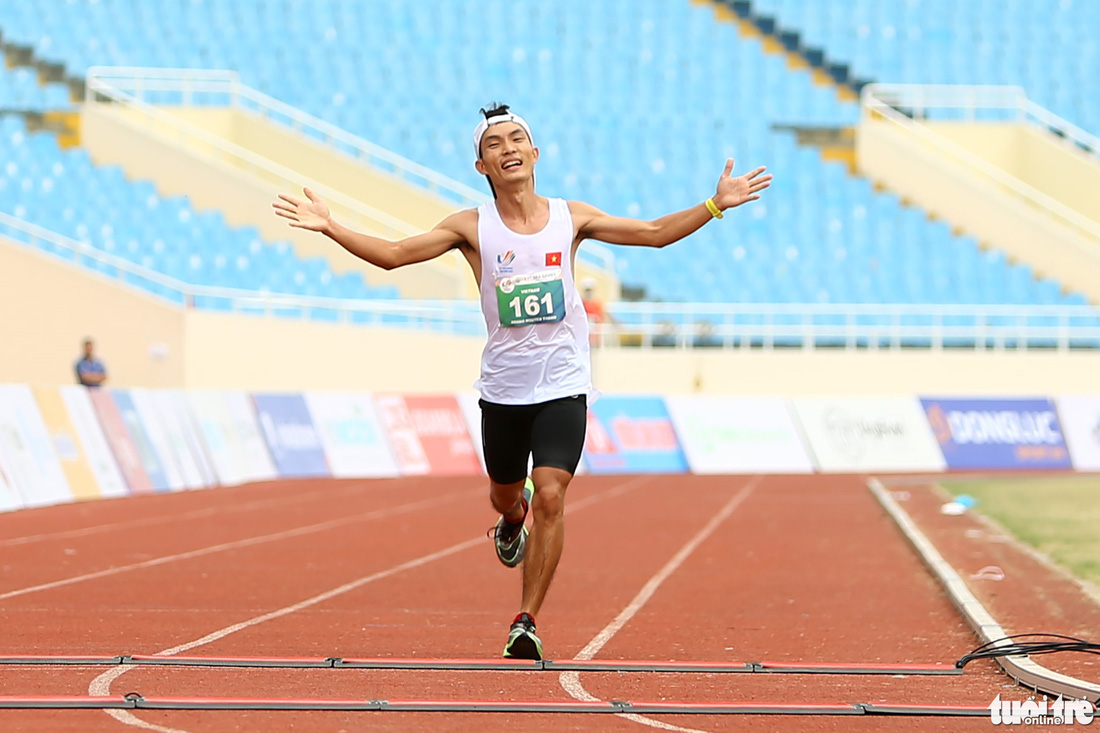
(1010, 433)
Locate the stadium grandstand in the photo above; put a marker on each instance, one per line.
(141, 138)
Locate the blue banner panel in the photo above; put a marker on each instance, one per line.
(290, 435)
(151, 461)
(998, 434)
(632, 435)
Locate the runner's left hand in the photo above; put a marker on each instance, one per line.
(734, 191)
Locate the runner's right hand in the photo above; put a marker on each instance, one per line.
(312, 214)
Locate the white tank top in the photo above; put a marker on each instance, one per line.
(537, 348)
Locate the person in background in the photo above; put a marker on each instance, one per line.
(594, 310)
(90, 370)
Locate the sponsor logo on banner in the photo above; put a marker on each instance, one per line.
(147, 452)
(998, 433)
(290, 435)
(738, 435)
(428, 434)
(471, 413)
(93, 441)
(118, 438)
(257, 464)
(63, 433)
(351, 434)
(1080, 419)
(632, 435)
(27, 453)
(183, 434)
(9, 497)
(171, 456)
(410, 455)
(219, 436)
(868, 434)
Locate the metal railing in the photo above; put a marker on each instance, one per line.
(849, 326)
(908, 105)
(642, 325)
(146, 88)
(445, 316)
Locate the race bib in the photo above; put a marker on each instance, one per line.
(527, 299)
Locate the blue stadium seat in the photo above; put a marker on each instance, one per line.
(635, 105)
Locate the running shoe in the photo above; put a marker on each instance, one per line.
(510, 539)
(523, 642)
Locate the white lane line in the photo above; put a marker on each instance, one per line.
(101, 685)
(258, 540)
(163, 519)
(571, 681)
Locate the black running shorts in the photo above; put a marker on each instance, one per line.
(552, 432)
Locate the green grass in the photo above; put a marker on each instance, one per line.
(1059, 516)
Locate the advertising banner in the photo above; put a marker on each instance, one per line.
(211, 415)
(858, 434)
(291, 438)
(1080, 416)
(122, 443)
(232, 437)
(66, 443)
(738, 435)
(471, 412)
(632, 435)
(351, 434)
(172, 461)
(998, 433)
(93, 441)
(9, 497)
(428, 434)
(156, 468)
(171, 406)
(27, 453)
(258, 462)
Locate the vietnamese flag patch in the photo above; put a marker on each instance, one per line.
(553, 259)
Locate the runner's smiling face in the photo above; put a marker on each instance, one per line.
(507, 155)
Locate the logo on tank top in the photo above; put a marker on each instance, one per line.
(504, 263)
(553, 259)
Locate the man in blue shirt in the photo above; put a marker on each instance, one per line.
(89, 370)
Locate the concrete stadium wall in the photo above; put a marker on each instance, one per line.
(48, 308)
(267, 353)
(916, 168)
(1045, 162)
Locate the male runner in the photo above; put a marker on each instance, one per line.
(535, 368)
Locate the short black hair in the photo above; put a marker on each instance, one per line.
(493, 109)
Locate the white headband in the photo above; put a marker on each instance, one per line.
(485, 124)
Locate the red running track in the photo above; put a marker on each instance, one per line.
(687, 568)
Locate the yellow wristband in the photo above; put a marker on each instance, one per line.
(713, 208)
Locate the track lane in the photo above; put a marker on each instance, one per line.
(459, 606)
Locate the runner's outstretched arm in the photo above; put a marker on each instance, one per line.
(731, 192)
(314, 215)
